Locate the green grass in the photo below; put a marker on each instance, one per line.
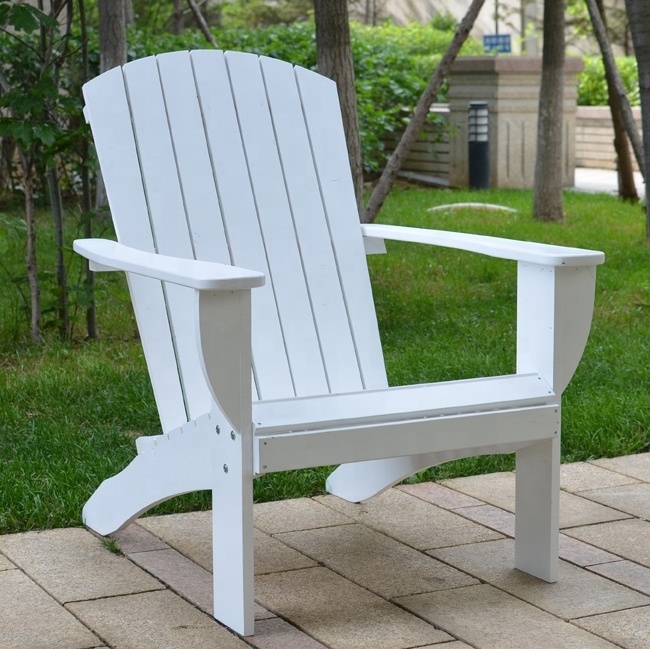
(69, 413)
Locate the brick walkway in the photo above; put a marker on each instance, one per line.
(426, 565)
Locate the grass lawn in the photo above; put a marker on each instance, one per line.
(69, 413)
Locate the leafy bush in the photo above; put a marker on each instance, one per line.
(592, 86)
(392, 66)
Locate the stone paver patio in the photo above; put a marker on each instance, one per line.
(422, 566)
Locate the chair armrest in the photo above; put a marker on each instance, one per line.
(202, 275)
(526, 251)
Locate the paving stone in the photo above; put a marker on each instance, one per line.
(583, 476)
(629, 539)
(341, 614)
(72, 564)
(498, 489)
(632, 498)
(185, 577)
(487, 618)
(582, 554)
(31, 619)
(374, 561)
(629, 629)
(153, 620)
(295, 515)
(412, 521)
(136, 539)
(279, 634)
(439, 495)
(191, 535)
(493, 517)
(5, 564)
(626, 573)
(635, 466)
(493, 563)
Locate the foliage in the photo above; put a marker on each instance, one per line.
(259, 13)
(392, 66)
(69, 412)
(592, 85)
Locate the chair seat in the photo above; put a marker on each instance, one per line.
(494, 413)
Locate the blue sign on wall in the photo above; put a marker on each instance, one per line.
(499, 43)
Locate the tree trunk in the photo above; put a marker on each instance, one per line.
(86, 194)
(420, 113)
(112, 34)
(626, 185)
(335, 61)
(112, 52)
(27, 164)
(203, 26)
(56, 205)
(615, 78)
(177, 18)
(547, 195)
(638, 12)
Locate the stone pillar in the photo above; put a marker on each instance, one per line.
(510, 85)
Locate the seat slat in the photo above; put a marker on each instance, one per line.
(271, 368)
(323, 118)
(276, 224)
(113, 134)
(319, 263)
(394, 404)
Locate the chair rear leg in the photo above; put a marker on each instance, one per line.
(537, 509)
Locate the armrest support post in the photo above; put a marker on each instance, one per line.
(554, 311)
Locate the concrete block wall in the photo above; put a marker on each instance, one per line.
(595, 137)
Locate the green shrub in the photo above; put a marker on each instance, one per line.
(392, 66)
(592, 86)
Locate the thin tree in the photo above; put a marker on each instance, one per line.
(420, 114)
(177, 18)
(638, 12)
(112, 34)
(112, 52)
(548, 202)
(203, 25)
(335, 61)
(86, 193)
(614, 82)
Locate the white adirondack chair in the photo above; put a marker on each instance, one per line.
(229, 185)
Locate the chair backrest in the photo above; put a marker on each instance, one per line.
(240, 159)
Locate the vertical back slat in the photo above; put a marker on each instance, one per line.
(276, 225)
(110, 119)
(317, 256)
(271, 368)
(166, 204)
(323, 118)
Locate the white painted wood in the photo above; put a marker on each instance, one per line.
(323, 119)
(202, 275)
(276, 224)
(174, 464)
(312, 234)
(229, 166)
(537, 509)
(554, 309)
(534, 253)
(401, 403)
(167, 216)
(483, 432)
(110, 120)
(226, 170)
